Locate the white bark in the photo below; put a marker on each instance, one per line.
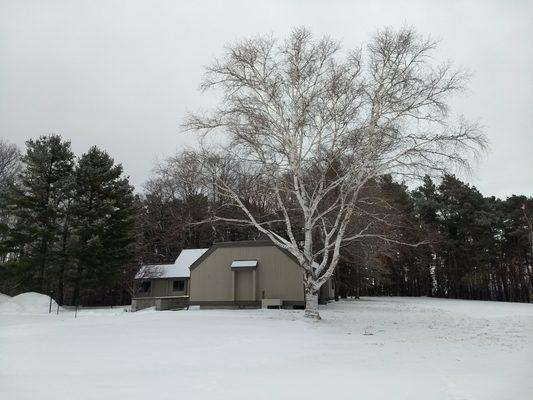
(311, 306)
(312, 130)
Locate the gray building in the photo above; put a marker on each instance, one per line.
(247, 274)
(165, 286)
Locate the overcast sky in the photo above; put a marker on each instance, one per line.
(122, 74)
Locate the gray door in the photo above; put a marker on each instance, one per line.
(243, 281)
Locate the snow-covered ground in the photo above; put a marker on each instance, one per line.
(374, 348)
(27, 303)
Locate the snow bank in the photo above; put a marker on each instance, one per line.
(4, 297)
(27, 303)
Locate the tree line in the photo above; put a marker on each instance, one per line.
(313, 145)
(67, 224)
(444, 238)
(475, 247)
(72, 225)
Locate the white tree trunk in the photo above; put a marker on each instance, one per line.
(311, 305)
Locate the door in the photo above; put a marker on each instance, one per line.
(244, 290)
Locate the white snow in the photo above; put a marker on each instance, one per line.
(160, 271)
(244, 263)
(374, 348)
(180, 268)
(188, 256)
(4, 297)
(27, 303)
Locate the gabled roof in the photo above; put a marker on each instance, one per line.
(187, 257)
(246, 243)
(180, 268)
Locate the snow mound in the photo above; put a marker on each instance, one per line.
(4, 297)
(27, 303)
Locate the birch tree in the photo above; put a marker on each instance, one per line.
(314, 124)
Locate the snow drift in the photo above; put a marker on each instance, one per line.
(4, 297)
(26, 303)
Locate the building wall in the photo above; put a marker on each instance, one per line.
(162, 287)
(277, 276)
(140, 303)
(160, 303)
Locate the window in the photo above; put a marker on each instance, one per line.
(146, 286)
(179, 286)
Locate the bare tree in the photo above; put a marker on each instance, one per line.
(9, 163)
(314, 125)
(178, 176)
(9, 168)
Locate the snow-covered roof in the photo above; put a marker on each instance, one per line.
(180, 268)
(188, 256)
(159, 271)
(244, 264)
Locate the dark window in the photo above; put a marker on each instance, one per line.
(179, 286)
(146, 286)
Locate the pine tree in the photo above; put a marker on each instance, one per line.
(36, 206)
(515, 245)
(426, 208)
(103, 217)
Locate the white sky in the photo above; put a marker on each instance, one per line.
(122, 74)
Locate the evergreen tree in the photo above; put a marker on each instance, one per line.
(515, 271)
(426, 209)
(462, 212)
(36, 208)
(103, 215)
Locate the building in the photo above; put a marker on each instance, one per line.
(165, 286)
(246, 274)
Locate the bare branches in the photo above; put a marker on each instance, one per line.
(9, 163)
(314, 127)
